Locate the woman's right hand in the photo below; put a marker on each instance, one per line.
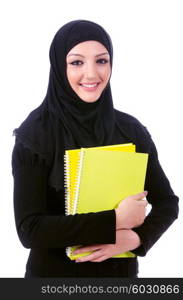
(130, 212)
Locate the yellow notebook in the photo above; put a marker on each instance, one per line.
(72, 164)
(102, 179)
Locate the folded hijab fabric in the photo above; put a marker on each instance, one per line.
(63, 120)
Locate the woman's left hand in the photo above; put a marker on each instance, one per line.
(126, 240)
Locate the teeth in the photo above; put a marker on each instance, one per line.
(89, 85)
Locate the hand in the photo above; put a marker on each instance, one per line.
(126, 240)
(130, 212)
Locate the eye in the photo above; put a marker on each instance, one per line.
(102, 61)
(76, 63)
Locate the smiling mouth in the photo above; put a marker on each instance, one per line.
(90, 86)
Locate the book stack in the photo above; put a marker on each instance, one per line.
(99, 178)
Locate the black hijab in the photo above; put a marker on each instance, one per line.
(63, 120)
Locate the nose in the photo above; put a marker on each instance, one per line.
(90, 71)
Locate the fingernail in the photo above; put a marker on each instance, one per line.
(145, 193)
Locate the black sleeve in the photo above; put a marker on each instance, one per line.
(37, 227)
(164, 204)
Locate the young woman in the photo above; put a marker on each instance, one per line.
(78, 112)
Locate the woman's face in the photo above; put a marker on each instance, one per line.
(88, 69)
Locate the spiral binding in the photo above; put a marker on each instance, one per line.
(66, 183)
(66, 186)
(71, 208)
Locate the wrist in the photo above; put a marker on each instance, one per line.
(119, 220)
(117, 225)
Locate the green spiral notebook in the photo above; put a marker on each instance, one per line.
(98, 180)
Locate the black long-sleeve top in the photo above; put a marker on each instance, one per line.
(43, 227)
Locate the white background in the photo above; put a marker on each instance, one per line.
(147, 82)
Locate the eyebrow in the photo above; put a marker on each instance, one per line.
(75, 54)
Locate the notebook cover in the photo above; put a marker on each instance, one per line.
(112, 174)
